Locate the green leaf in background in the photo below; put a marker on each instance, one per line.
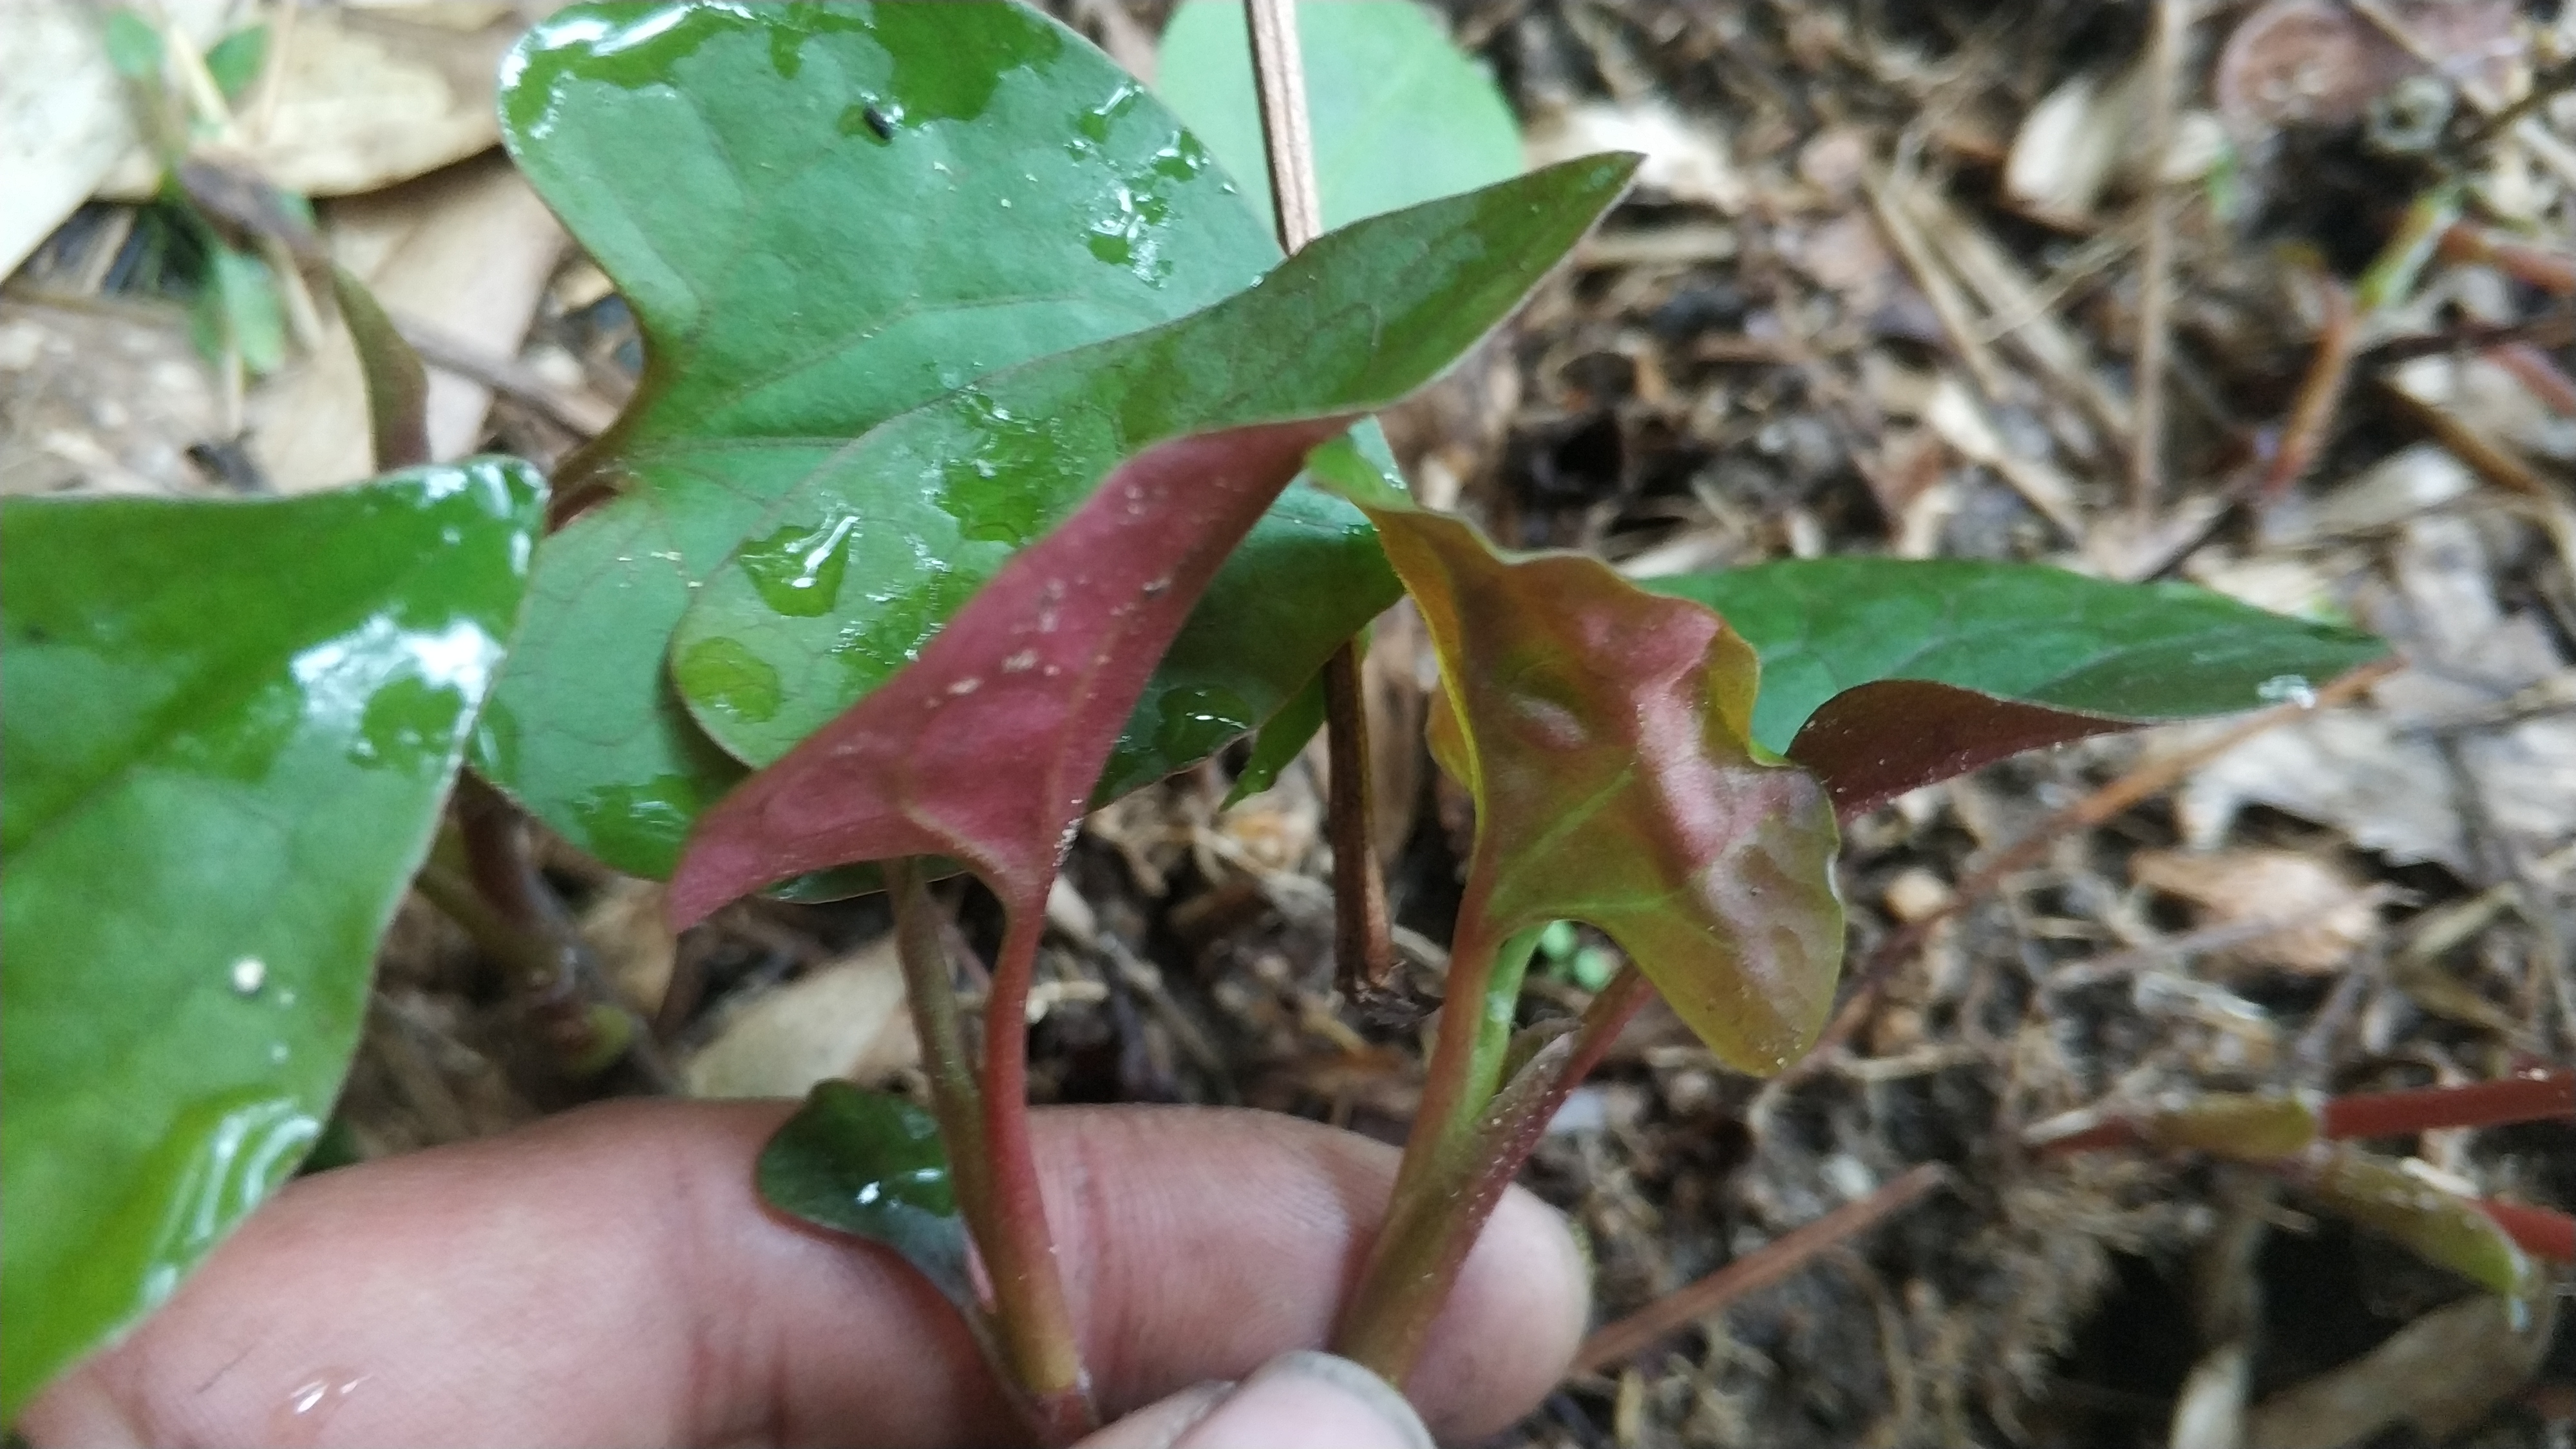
(239, 304)
(872, 1166)
(1604, 735)
(134, 48)
(1400, 114)
(1884, 674)
(237, 59)
(225, 732)
(823, 217)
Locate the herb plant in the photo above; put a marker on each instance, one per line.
(988, 463)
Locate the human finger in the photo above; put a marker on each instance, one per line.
(609, 1277)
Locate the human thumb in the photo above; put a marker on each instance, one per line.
(1299, 1400)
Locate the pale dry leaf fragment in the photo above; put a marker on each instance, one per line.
(843, 1019)
(2071, 147)
(2335, 915)
(2380, 775)
(2413, 480)
(1687, 159)
(101, 400)
(634, 944)
(365, 99)
(65, 116)
(466, 254)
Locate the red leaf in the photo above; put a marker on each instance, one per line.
(1873, 742)
(1045, 661)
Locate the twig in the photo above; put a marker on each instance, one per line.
(583, 416)
(2321, 392)
(1363, 953)
(2148, 780)
(1279, 76)
(1757, 1270)
(555, 972)
(2155, 262)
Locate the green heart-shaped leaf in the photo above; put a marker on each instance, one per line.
(225, 732)
(824, 216)
(872, 1166)
(1400, 115)
(1884, 674)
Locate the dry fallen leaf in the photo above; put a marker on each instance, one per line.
(842, 1019)
(464, 253)
(635, 946)
(2380, 774)
(64, 114)
(365, 99)
(106, 399)
(2231, 886)
(1687, 159)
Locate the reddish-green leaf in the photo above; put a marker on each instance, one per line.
(1605, 734)
(1168, 443)
(1884, 674)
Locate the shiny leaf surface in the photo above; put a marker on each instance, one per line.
(1136, 464)
(1885, 674)
(1400, 115)
(871, 1165)
(225, 731)
(1604, 734)
(824, 216)
(2439, 1227)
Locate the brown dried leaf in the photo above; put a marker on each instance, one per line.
(2233, 886)
(843, 1019)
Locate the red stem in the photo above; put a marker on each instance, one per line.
(2533, 1098)
(1441, 1202)
(1028, 1292)
(2538, 1231)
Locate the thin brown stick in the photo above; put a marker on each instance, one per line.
(2148, 780)
(1363, 946)
(2155, 262)
(1279, 76)
(2321, 394)
(1757, 1270)
(1363, 932)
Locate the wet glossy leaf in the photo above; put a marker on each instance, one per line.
(225, 730)
(871, 1165)
(823, 217)
(1132, 467)
(1883, 674)
(1604, 734)
(1400, 115)
(1283, 737)
(2437, 1226)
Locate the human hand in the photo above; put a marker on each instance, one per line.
(610, 1277)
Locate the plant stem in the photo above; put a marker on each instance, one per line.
(1494, 1029)
(930, 990)
(1363, 940)
(1441, 1202)
(1363, 944)
(2537, 1097)
(1019, 1254)
(505, 903)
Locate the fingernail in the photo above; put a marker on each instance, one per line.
(1309, 1400)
